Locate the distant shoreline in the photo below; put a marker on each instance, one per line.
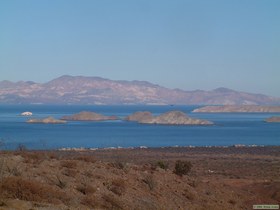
(137, 148)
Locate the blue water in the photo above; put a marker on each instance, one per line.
(229, 129)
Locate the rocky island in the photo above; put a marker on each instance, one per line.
(274, 119)
(139, 116)
(240, 108)
(88, 116)
(48, 120)
(168, 118)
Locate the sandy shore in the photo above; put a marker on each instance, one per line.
(220, 178)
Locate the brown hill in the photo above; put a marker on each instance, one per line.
(96, 90)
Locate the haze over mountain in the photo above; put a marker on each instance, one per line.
(95, 90)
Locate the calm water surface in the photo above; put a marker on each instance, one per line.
(229, 128)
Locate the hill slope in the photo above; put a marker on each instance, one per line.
(96, 90)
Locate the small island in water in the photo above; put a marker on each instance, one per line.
(274, 119)
(238, 108)
(168, 118)
(48, 120)
(88, 116)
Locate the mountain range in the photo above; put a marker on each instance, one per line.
(95, 90)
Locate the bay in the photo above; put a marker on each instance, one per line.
(229, 128)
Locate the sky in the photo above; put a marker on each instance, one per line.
(186, 44)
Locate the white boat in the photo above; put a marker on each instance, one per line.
(26, 114)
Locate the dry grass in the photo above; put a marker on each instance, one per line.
(86, 158)
(117, 186)
(111, 202)
(86, 189)
(69, 164)
(89, 201)
(19, 188)
(150, 181)
(96, 180)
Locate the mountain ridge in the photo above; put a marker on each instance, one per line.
(68, 89)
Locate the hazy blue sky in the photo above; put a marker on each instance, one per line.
(188, 44)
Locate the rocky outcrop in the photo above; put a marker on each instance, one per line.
(273, 119)
(48, 120)
(241, 108)
(168, 118)
(88, 116)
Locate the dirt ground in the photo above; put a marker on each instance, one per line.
(207, 178)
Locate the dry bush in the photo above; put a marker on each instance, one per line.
(89, 201)
(162, 164)
(118, 165)
(31, 156)
(53, 155)
(117, 186)
(2, 167)
(86, 158)
(149, 180)
(86, 189)
(21, 148)
(14, 170)
(69, 172)
(231, 201)
(88, 173)
(111, 202)
(69, 164)
(2, 203)
(182, 167)
(60, 183)
(19, 188)
(189, 195)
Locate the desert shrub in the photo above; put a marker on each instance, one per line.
(60, 183)
(189, 195)
(111, 202)
(89, 201)
(88, 173)
(118, 165)
(86, 158)
(21, 148)
(86, 189)
(231, 201)
(182, 167)
(117, 186)
(2, 203)
(2, 166)
(19, 188)
(32, 157)
(69, 164)
(14, 170)
(149, 180)
(162, 164)
(53, 155)
(69, 172)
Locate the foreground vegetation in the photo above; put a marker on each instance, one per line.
(169, 178)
